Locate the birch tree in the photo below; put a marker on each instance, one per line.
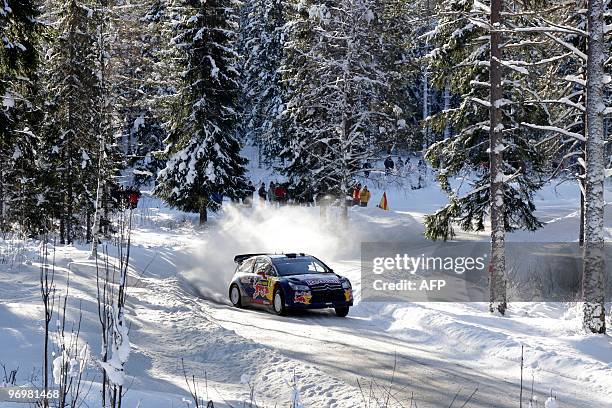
(593, 276)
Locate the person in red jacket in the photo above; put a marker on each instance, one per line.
(280, 193)
(356, 193)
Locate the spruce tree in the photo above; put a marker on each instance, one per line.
(148, 137)
(261, 44)
(462, 46)
(336, 99)
(136, 51)
(70, 136)
(19, 60)
(203, 150)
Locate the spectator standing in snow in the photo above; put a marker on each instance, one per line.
(262, 192)
(249, 191)
(356, 192)
(389, 165)
(280, 194)
(131, 196)
(366, 169)
(271, 197)
(309, 197)
(422, 170)
(364, 196)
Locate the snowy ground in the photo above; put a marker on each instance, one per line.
(177, 309)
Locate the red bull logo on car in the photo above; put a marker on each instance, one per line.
(261, 291)
(302, 297)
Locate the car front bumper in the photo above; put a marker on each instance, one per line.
(320, 299)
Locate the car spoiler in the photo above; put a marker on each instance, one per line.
(243, 257)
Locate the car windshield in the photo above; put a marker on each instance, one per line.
(299, 266)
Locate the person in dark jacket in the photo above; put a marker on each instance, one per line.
(309, 197)
(262, 193)
(271, 197)
(422, 170)
(248, 194)
(389, 165)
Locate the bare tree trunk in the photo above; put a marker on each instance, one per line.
(96, 224)
(47, 291)
(62, 227)
(88, 226)
(497, 283)
(447, 98)
(2, 206)
(426, 141)
(70, 214)
(203, 213)
(344, 182)
(593, 264)
(581, 232)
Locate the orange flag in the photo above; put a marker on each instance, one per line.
(383, 202)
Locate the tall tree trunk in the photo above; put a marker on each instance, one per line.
(203, 213)
(498, 257)
(344, 182)
(426, 141)
(581, 229)
(62, 227)
(593, 291)
(447, 128)
(88, 226)
(70, 214)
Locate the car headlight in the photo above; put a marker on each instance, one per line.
(299, 287)
(346, 284)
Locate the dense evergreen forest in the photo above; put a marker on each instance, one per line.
(100, 96)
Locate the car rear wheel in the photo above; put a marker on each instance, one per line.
(278, 302)
(342, 311)
(235, 296)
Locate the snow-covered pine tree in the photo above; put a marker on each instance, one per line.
(402, 24)
(261, 43)
(463, 46)
(70, 139)
(501, 187)
(336, 94)
(138, 44)
(203, 150)
(146, 160)
(19, 59)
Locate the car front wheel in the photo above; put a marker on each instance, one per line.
(278, 302)
(235, 296)
(342, 311)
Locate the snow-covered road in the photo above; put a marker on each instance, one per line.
(429, 352)
(357, 348)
